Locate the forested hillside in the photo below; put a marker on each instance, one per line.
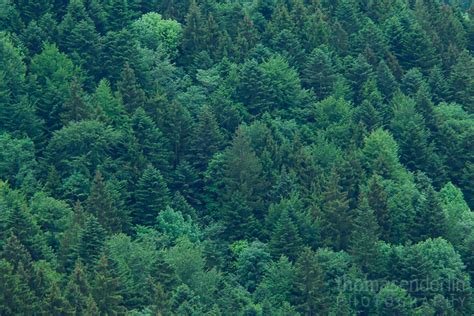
(237, 157)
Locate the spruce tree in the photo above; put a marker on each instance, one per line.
(364, 238)
(311, 296)
(430, 218)
(336, 217)
(319, 72)
(75, 108)
(254, 88)
(77, 291)
(101, 204)
(105, 289)
(462, 81)
(91, 241)
(152, 142)
(378, 201)
(285, 239)
(151, 197)
(207, 138)
(131, 94)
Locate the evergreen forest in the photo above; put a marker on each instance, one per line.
(237, 157)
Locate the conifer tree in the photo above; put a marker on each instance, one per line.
(16, 296)
(77, 291)
(101, 204)
(105, 289)
(336, 218)
(254, 89)
(91, 241)
(55, 303)
(75, 108)
(310, 297)
(364, 237)
(377, 200)
(151, 196)
(132, 95)
(153, 144)
(386, 81)
(319, 72)
(193, 32)
(207, 138)
(462, 81)
(430, 219)
(285, 239)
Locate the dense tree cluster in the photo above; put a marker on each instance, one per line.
(245, 157)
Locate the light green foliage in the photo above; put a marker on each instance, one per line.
(154, 32)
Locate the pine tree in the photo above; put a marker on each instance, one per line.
(377, 200)
(462, 81)
(285, 239)
(106, 290)
(151, 196)
(430, 218)
(101, 204)
(310, 295)
(238, 217)
(319, 72)
(77, 291)
(336, 218)
(75, 108)
(16, 296)
(364, 238)
(439, 85)
(410, 131)
(91, 241)
(254, 88)
(153, 144)
(207, 138)
(193, 32)
(132, 95)
(55, 303)
(386, 82)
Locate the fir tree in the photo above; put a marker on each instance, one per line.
(462, 81)
(106, 290)
(430, 219)
(377, 200)
(310, 298)
(336, 218)
(193, 31)
(101, 204)
(152, 142)
(151, 196)
(75, 109)
(319, 72)
(285, 239)
(77, 291)
(364, 238)
(132, 95)
(91, 241)
(207, 138)
(254, 88)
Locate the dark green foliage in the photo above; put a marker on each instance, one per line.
(91, 242)
(319, 72)
(264, 157)
(151, 196)
(336, 218)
